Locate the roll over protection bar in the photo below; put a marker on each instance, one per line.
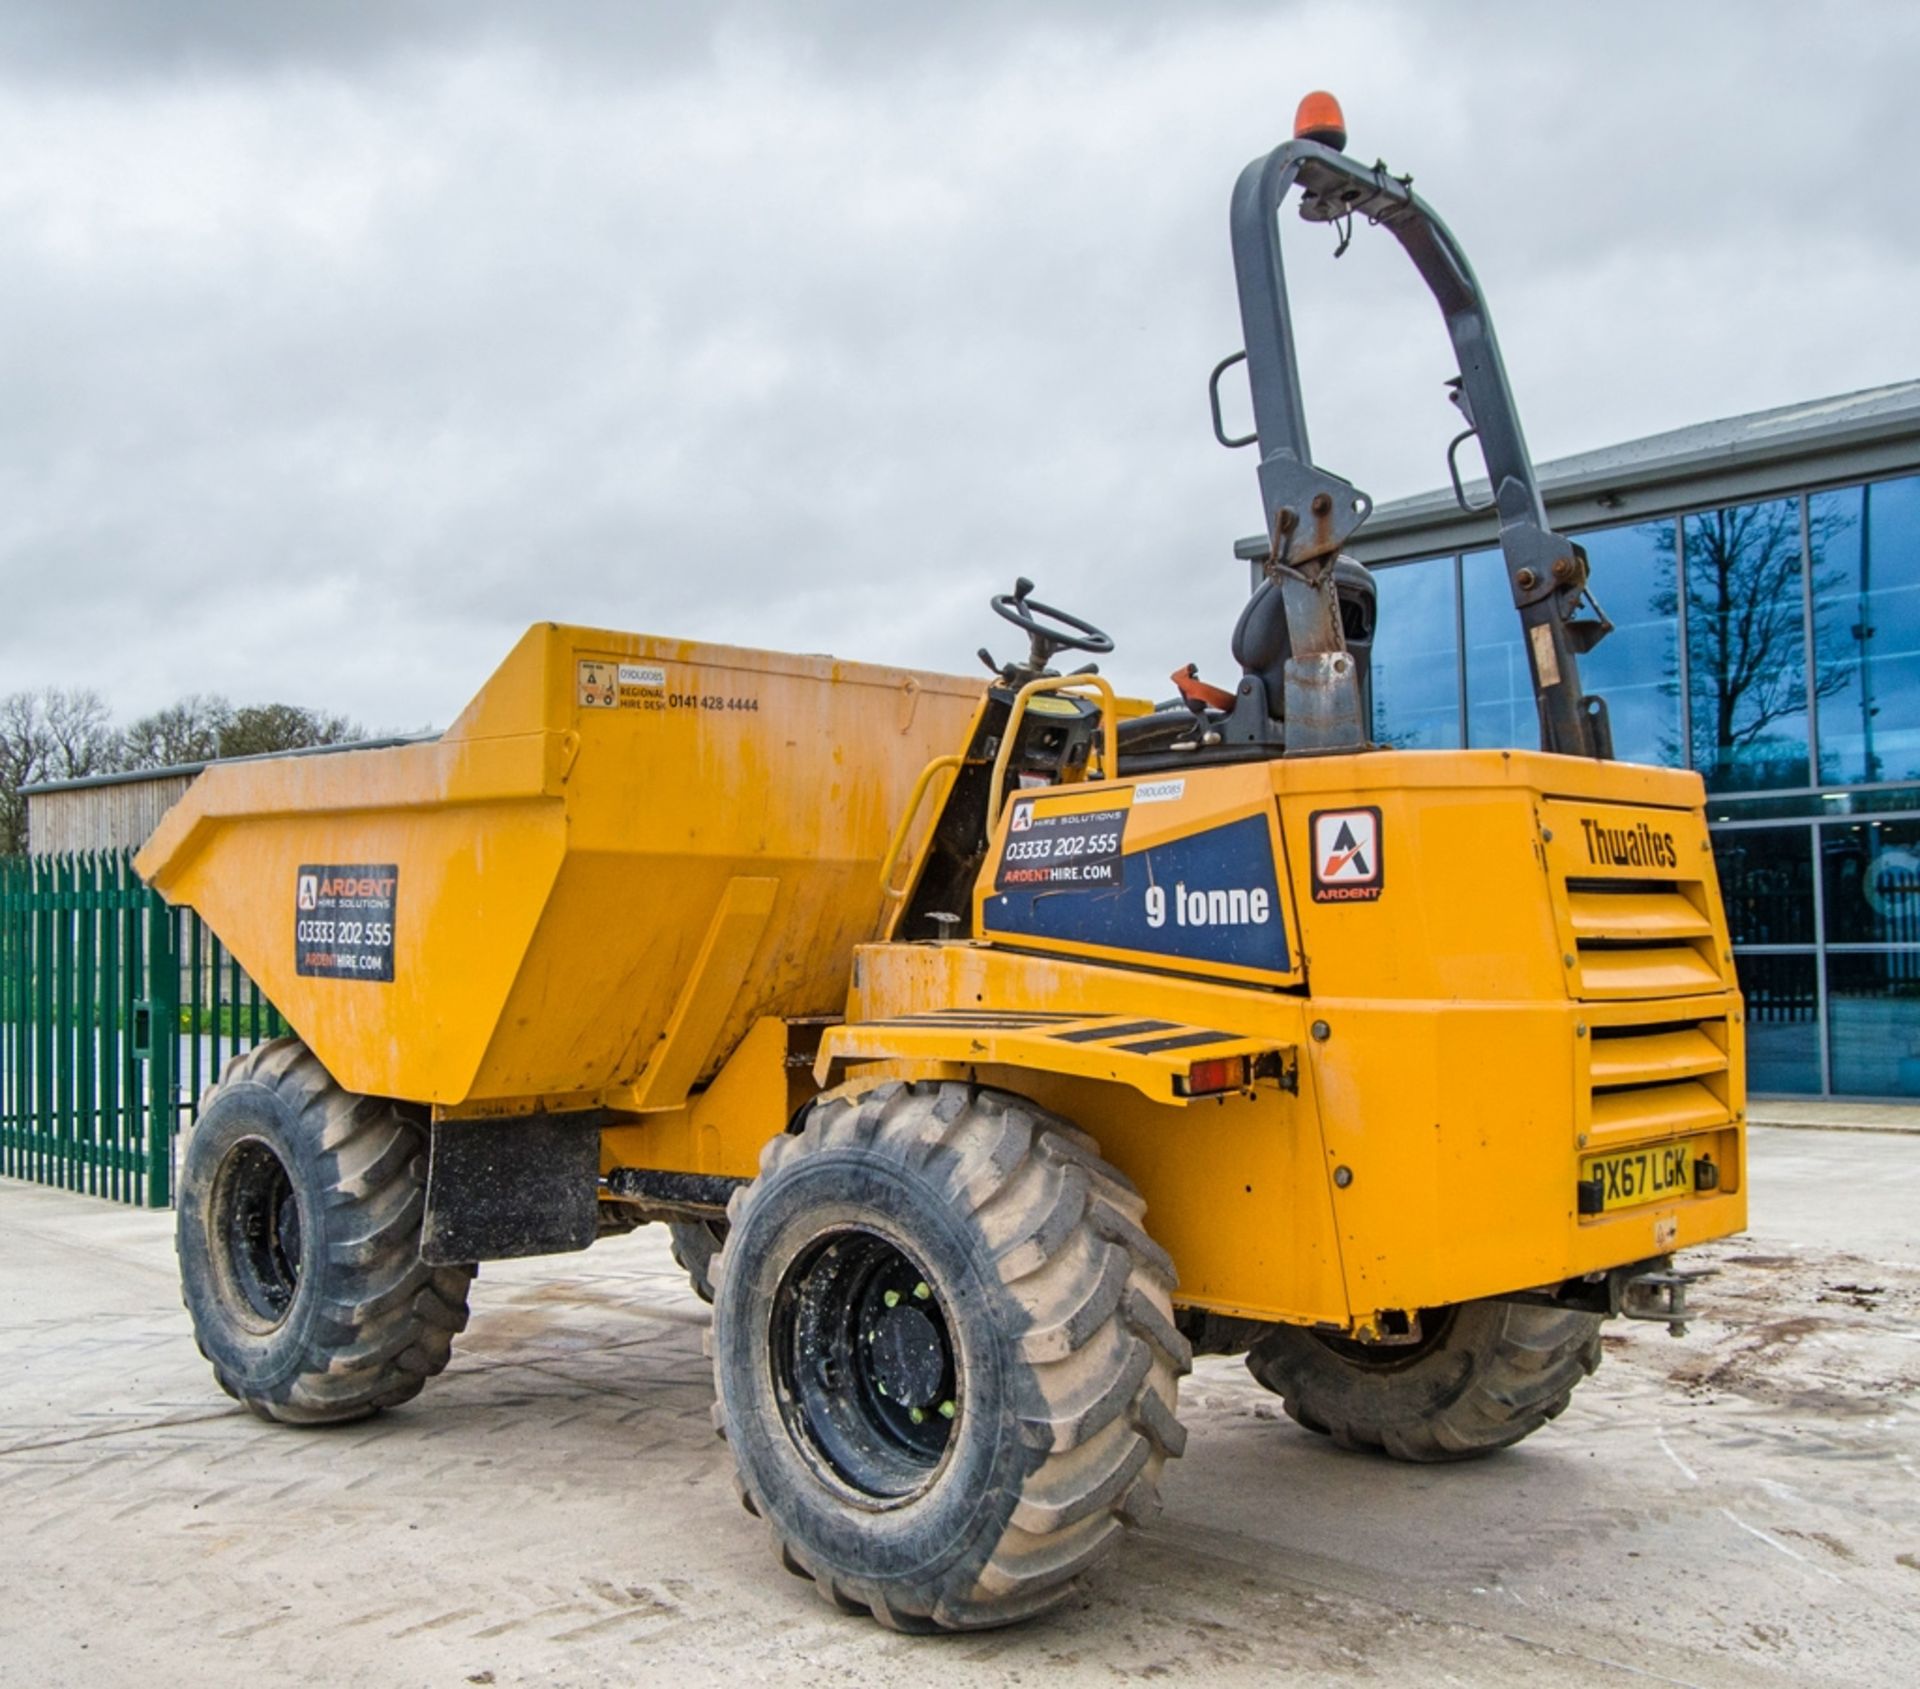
(1311, 513)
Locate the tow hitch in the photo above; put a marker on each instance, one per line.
(1643, 1290)
(1659, 1296)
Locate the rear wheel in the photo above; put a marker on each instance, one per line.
(298, 1232)
(1481, 1376)
(945, 1355)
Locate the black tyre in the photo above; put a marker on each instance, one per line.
(945, 1355)
(696, 1246)
(1482, 1376)
(299, 1238)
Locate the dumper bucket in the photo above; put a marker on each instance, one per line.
(511, 914)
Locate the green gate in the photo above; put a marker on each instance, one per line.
(116, 1012)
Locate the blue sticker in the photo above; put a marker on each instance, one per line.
(1209, 897)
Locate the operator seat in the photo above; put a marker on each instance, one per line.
(1261, 646)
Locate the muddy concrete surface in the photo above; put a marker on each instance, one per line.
(1738, 1507)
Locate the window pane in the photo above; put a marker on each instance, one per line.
(1766, 879)
(1746, 646)
(1416, 660)
(1500, 708)
(1873, 1023)
(1866, 596)
(1783, 1024)
(1888, 801)
(1872, 874)
(1637, 666)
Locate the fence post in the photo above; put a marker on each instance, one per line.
(13, 1017)
(163, 1058)
(46, 1163)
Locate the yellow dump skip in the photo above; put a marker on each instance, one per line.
(515, 910)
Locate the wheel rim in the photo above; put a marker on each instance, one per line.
(867, 1372)
(255, 1233)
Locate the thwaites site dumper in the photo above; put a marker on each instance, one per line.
(992, 1049)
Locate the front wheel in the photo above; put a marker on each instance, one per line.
(298, 1230)
(945, 1355)
(1481, 1376)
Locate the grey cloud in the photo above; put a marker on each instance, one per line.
(112, 39)
(334, 355)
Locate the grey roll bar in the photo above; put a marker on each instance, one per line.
(1310, 513)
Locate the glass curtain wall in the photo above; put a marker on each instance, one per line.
(1416, 660)
(1774, 647)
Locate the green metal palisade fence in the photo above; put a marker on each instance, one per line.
(116, 1012)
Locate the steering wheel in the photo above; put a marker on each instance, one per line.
(1052, 634)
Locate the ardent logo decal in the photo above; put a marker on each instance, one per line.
(355, 885)
(1347, 866)
(343, 923)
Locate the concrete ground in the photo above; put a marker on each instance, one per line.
(1740, 1507)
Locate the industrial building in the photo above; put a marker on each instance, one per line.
(1763, 577)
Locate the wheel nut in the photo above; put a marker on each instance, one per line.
(915, 1414)
(892, 1298)
(946, 1410)
(922, 1290)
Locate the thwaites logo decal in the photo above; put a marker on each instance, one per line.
(343, 920)
(1347, 866)
(1635, 845)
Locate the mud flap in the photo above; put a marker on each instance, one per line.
(502, 1188)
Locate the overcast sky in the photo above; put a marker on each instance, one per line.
(338, 342)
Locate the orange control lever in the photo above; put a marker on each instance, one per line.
(1196, 691)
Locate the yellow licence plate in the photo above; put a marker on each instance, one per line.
(1630, 1177)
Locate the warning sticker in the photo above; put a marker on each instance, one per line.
(1078, 850)
(599, 684)
(606, 685)
(1346, 855)
(343, 920)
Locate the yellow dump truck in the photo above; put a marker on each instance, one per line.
(991, 1047)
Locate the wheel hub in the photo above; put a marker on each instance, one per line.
(867, 1369)
(256, 1233)
(908, 1357)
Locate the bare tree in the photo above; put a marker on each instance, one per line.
(56, 734)
(205, 726)
(52, 734)
(1746, 644)
(260, 729)
(186, 732)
